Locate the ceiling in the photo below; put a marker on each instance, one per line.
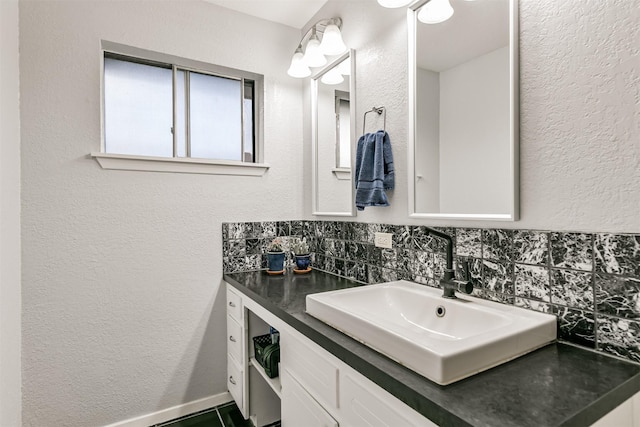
(294, 13)
(476, 28)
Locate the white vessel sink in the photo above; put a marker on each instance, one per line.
(401, 320)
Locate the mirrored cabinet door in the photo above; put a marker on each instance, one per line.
(463, 77)
(333, 137)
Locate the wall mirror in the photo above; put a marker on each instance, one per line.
(463, 90)
(333, 137)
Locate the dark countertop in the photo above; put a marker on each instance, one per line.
(557, 385)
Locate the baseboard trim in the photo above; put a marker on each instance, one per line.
(175, 411)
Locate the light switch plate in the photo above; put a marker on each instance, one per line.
(384, 240)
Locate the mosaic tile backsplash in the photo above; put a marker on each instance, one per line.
(590, 281)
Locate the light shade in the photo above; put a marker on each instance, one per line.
(332, 77)
(332, 43)
(435, 12)
(298, 67)
(394, 3)
(313, 55)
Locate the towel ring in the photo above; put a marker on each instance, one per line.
(379, 110)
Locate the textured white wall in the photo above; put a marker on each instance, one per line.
(123, 311)
(121, 270)
(10, 297)
(580, 113)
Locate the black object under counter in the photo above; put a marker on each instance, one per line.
(557, 385)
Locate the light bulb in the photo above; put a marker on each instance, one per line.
(313, 56)
(298, 68)
(394, 3)
(435, 12)
(332, 77)
(332, 43)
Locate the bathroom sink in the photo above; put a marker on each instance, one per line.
(444, 340)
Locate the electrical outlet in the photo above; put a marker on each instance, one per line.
(384, 240)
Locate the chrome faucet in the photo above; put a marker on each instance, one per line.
(448, 282)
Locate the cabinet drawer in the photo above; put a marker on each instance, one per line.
(299, 408)
(234, 305)
(316, 373)
(234, 339)
(235, 379)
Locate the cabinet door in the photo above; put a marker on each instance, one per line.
(316, 372)
(299, 408)
(236, 351)
(364, 404)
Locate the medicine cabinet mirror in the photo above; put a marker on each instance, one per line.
(463, 130)
(333, 137)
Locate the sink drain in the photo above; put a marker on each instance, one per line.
(440, 311)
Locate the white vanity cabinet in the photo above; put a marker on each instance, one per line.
(339, 394)
(312, 366)
(299, 408)
(343, 393)
(257, 395)
(236, 350)
(315, 388)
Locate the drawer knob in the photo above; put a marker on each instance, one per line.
(231, 304)
(231, 338)
(231, 380)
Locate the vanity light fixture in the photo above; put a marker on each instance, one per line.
(312, 48)
(332, 77)
(313, 56)
(332, 43)
(435, 12)
(299, 68)
(392, 4)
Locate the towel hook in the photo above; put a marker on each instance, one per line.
(379, 110)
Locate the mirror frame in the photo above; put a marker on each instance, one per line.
(314, 134)
(514, 130)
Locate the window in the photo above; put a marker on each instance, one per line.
(161, 106)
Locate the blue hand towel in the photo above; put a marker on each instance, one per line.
(374, 170)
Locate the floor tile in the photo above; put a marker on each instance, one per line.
(204, 419)
(232, 417)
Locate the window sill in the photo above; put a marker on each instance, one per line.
(343, 174)
(178, 165)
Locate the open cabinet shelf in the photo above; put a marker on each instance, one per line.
(274, 383)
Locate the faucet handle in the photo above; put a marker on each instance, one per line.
(463, 264)
(468, 278)
(464, 286)
(467, 270)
